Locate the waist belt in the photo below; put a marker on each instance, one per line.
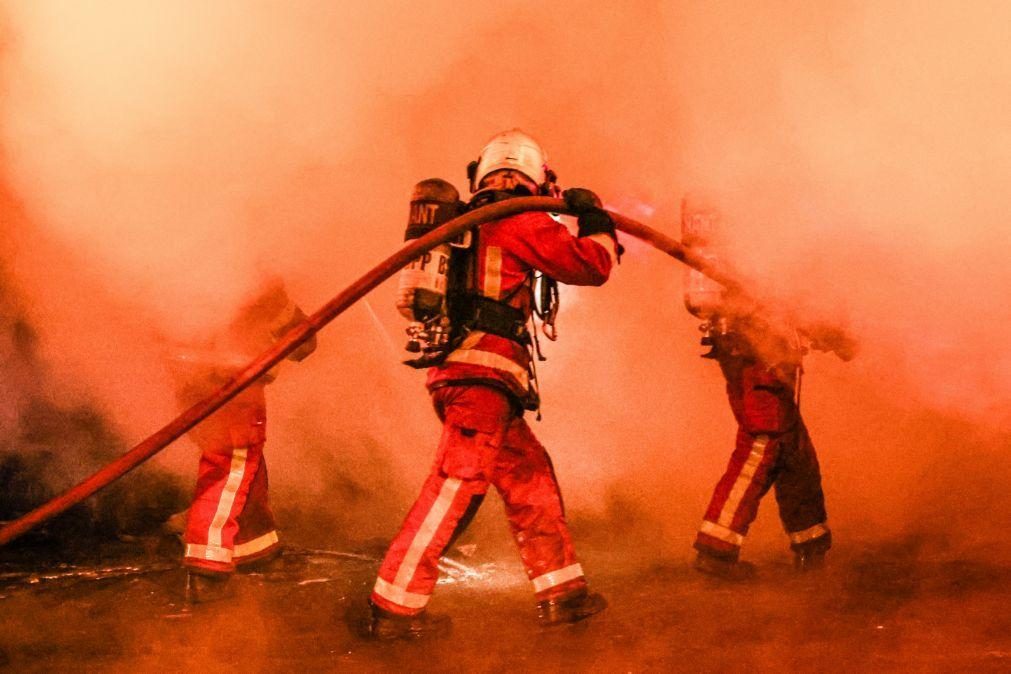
(496, 318)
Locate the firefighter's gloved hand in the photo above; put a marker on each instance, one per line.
(306, 348)
(593, 219)
(596, 222)
(581, 200)
(599, 222)
(826, 337)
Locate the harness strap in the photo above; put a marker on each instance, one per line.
(497, 318)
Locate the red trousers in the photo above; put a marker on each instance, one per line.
(483, 443)
(773, 450)
(230, 522)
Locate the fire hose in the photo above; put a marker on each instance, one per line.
(317, 321)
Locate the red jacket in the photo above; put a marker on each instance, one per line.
(507, 250)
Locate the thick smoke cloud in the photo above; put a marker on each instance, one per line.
(167, 155)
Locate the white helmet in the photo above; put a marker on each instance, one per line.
(515, 150)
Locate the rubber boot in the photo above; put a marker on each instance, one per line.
(570, 608)
(274, 562)
(176, 524)
(805, 561)
(386, 626)
(731, 570)
(204, 588)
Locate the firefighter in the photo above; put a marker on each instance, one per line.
(762, 365)
(229, 524)
(480, 387)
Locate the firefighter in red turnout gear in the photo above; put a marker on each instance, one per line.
(762, 367)
(772, 450)
(229, 524)
(479, 389)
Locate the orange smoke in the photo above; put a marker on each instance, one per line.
(168, 154)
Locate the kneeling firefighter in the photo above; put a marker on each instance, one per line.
(762, 365)
(471, 303)
(229, 524)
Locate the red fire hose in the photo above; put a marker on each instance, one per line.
(313, 324)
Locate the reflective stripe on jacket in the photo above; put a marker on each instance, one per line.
(508, 250)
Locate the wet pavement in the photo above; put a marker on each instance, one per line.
(887, 607)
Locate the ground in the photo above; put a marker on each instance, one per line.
(881, 607)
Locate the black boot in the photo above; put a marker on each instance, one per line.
(731, 570)
(810, 555)
(570, 608)
(808, 560)
(275, 563)
(204, 588)
(386, 626)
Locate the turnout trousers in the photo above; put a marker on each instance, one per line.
(483, 443)
(773, 450)
(230, 522)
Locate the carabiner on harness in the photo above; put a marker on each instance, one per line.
(546, 303)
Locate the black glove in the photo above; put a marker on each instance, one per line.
(595, 222)
(825, 337)
(306, 348)
(593, 219)
(580, 200)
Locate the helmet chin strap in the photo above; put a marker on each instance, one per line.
(549, 188)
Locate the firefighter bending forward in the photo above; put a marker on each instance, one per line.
(229, 524)
(762, 368)
(479, 392)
